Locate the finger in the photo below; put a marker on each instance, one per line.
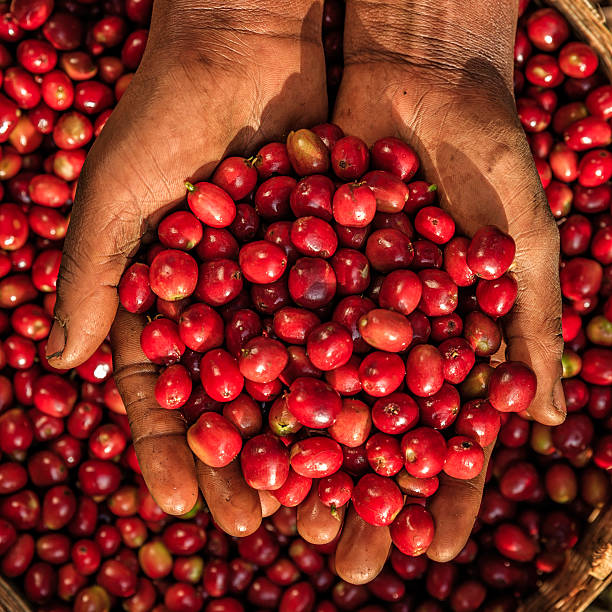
(159, 435)
(498, 184)
(233, 504)
(316, 522)
(533, 326)
(362, 550)
(269, 503)
(454, 508)
(99, 238)
(503, 178)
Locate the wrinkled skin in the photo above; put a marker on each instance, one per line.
(450, 97)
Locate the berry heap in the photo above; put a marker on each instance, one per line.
(78, 529)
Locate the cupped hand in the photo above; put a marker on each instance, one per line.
(209, 84)
(451, 98)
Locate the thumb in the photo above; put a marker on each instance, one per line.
(99, 240)
(498, 184)
(533, 326)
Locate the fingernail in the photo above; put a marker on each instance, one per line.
(558, 398)
(56, 341)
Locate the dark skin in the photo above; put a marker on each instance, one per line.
(412, 70)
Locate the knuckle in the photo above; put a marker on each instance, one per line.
(244, 525)
(132, 378)
(443, 554)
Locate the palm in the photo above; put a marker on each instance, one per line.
(471, 145)
(174, 123)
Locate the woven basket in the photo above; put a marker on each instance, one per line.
(588, 568)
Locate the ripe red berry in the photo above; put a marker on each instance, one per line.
(210, 204)
(412, 530)
(377, 500)
(512, 387)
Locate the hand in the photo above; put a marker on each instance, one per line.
(413, 70)
(209, 84)
(168, 467)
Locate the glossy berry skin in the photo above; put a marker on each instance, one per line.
(587, 133)
(458, 359)
(265, 462)
(597, 366)
(316, 457)
(201, 328)
(352, 271)
(292, 325)
(434, 224)
(262, 359)
(214, 440)
(314, 237)
(395, 156)
(349, 158)
(512, 542)
(482, 334)
(312, 282)
(262, 262)
(543, 71)
(345, 379)
(386, 330)
(598, 102)
(173, 387)
(417, 487)
(580, 277)
(384, 455)
(496, 297)
(440, 295)
(354, 205)
(335, 490)
(236, 176)
(353, 423)
(381, 373)
(307, 153)
(464, 458)
(220, 375)
(424, 452)
(329, 346)
(424, 370)
(512, 387)
(401, 291)
(134, 290)
(312, 196)
(578, 60)
(272, 159)
(595, 168)
(389, 249)
(173, 275)
(412, 530)
(161, 342)
(547, 29)
(491, 252)
(13, 227)
(180, 230)
(313, 402)
(478, 420)
(390, 192)
(377, 500)
(395, 413)
(294, 490)
(439, 410)
(219, 282)
(210, 204)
